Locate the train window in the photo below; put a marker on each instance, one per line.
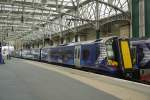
(85, 54)
(110, 52)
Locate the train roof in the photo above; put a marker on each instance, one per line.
(81, 42)
(105, 39)
(140, 41)
(101, 40)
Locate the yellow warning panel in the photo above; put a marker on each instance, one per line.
(126, 54)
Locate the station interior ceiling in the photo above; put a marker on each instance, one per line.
(29, 20)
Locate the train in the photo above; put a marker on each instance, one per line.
(112, 55)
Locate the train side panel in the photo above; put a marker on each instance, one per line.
(63, 55)
(95, 56)
(54, 55)
(89, 54)
(103, 61)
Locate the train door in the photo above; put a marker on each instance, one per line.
(123, 56)
(77, 55)
(126, 54)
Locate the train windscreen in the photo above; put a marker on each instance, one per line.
(109, 47)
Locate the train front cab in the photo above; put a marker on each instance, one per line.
(122, 55)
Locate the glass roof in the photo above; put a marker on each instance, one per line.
(28, 18)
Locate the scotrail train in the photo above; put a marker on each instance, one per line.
(110, 54)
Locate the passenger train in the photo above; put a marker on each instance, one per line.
(110, 54)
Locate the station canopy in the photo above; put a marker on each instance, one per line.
(33, 19)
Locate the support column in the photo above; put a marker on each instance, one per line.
(97, 34)
(130, 10)
(76, 38)
(135, 18)
(141, 19)
(61, 40)
(75, 22)
(97, 20)
(43, 42)
(61, 31)
(147, 18)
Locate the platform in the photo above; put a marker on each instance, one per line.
(30, 80)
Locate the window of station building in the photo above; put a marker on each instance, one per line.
(85, 54)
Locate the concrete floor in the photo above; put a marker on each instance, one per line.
(23, 81)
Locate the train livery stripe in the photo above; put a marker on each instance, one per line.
(126, 55)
